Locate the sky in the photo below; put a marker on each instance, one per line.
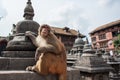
(82, 15)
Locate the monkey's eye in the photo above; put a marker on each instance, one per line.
(46, 27)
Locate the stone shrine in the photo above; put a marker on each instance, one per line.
(20, 49)
(77, 46)
(91, 66)
(20, 42)
(76, 50)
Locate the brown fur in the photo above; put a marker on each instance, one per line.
(52, 58)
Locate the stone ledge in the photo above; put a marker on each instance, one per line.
(15, 63)
(23, 75)
(7, 63)
(72, 74)
(21, 54)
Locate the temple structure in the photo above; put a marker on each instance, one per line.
(67, 36)
(78, 45)
(102, 37)
(20, 42)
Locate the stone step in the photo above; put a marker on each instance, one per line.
(15, 63)
(71, 61)
(23, 75)
(7, 63)
(21, 54)
(72, 74)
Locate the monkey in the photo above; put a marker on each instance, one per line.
(46, 41)
(50, 53)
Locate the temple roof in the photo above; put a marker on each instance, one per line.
(70, 32)
(111, 24)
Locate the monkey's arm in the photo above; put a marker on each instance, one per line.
(32, 37)
(52, 49)
(48, 48)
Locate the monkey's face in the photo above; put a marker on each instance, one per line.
(44, 32)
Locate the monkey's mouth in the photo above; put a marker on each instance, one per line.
(45, 32)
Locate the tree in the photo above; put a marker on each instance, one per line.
(117, 44)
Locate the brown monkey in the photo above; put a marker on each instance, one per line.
(50, 54)
(46, 41)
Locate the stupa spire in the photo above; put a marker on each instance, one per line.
(28, 11)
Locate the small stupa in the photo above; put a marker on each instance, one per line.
(20, 42)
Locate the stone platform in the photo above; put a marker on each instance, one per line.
(21, 54)
(23, 75)
(72, 74)
(7, 63)
(16, 63)
(13, 68)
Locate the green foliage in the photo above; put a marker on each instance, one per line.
(117, 44)
(119, 37)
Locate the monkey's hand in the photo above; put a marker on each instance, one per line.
(39, 51)
(28, 33)
(32, 37)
